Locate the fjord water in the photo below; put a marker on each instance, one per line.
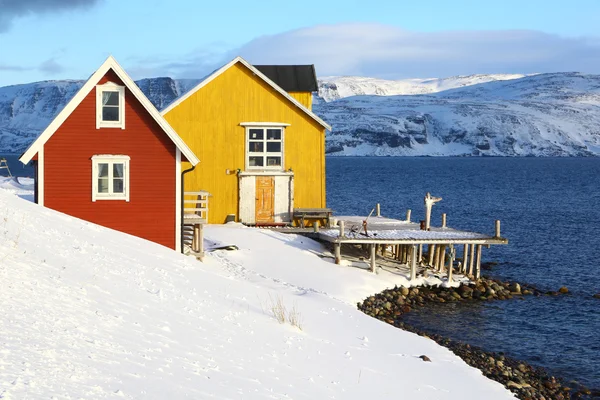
(550, 212)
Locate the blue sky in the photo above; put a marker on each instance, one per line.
(58, 39)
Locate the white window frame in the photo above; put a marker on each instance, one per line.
(111, 160)
(264, 154)
(110, 87)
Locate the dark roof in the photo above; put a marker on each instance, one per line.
(291, 78)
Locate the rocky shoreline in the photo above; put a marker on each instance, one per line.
(524, 380)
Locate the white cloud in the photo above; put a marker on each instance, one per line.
(390, 52)
(10, 9)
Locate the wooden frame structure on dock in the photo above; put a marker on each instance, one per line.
(405, 242)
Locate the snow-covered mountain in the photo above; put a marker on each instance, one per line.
(554, 114)
(337, 87)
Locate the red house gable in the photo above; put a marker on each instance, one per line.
(112, 160)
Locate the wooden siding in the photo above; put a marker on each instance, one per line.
(209, 122)
(305, 98)
(150, 213)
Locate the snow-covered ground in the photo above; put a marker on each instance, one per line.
(91, 313)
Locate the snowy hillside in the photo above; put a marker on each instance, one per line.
(540, 115)
(88, 312)
(504, 115)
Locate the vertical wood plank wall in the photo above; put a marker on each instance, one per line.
(208, 121)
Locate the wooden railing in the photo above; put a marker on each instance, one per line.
(195, 204)
(195, 215)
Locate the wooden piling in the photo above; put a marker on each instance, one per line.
(431, 250)
(465, 258)
(342, 231)
(443, 258)
(443, 220)
(408, 213)
(373, 255)
(316, 226)
(497, 228)
(451, 264)
(378, 210)
(420, 256)
(471, 259)
(413, 263)
(478, 271)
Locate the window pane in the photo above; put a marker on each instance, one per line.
(117, 170)
(256, 147)
(256, 134)
(110, 113)
(256, 161)
(274, 161)
(102, 170)
(102, 185)
(118, 185)
(273, 147)
(110, 98)
(273, 134)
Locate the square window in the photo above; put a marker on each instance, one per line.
(111, 177)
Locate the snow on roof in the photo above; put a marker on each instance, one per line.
(88, 312)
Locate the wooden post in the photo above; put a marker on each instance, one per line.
(420, 257)
(341, 225)
(337, 249)
(443, 220)
(471, 259)
(478, 273)
(316, 226)
(413, 263)
(373, 255)
(408, 212)
(465, 258)
(451, 264)
(378, 210)
(497, 228)
(196, 241)
(431, 250)
(443, 258)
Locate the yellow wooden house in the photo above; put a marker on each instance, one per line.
(262, 148)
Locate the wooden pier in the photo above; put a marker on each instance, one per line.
(412, 244)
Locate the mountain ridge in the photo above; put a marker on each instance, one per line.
(552, 114)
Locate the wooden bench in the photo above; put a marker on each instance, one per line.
(313, 214)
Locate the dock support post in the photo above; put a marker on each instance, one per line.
(478, 272)
(497, 228)
(429, 202)
(420, 257)
(373, 255)
(337, 249)
(378, 210)
(431, 250)
(452, 255)
(443, 220)
(341, 225)
(316, 226)
(413, 263)
(471, 259)
(443, 258)
(465, 258)
(408, 213)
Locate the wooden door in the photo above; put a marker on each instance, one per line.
(265, 199)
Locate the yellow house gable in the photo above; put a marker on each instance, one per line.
(214, 121)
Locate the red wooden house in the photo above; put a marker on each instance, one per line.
(110, 158)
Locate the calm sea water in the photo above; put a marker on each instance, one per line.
(16, 167)
(550, 212)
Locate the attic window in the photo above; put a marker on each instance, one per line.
(110, 106)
